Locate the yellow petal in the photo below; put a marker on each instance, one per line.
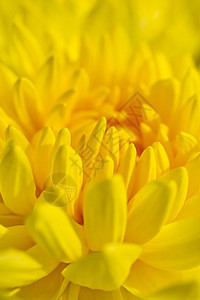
(105, 212)
(103, 169)
(16, 236)
(162, 160)
(164, 97)
(191, 208)
(186, 143)
(59, 235)
(19, 268)
(145, 170)
(16, 180)
(144, 278)
(176, 247)
(180, 177)
(46, 82)
(26, 47)
(110, 145)
(193, 168)
(63, 138)
(91, 294)
(128, 296)
(104, 270)
(148, 211)
(45, 288)
(14, 133)
(91, 150)
(67, 171)
(27, 105)
(187, 291)
(72, 292)
(129, 160)
(42, 156)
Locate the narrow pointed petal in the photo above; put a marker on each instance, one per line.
(148, 211)
(105, 212)
(176, 247)
(104, 270)
(16, 180)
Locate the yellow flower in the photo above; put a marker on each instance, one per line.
(100, 155)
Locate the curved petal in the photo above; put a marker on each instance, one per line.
(193, 168)
(16, 236)
(45, 288)
(106, 270)
(187, 291)
(145, 170)
(19, 268)
(191, 208)
(16, 180)
(176, 247)
(105, 212)
(180, 177)
(90, 294)
(53, 230)
(149, 210)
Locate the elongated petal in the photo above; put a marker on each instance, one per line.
(164, 97)
(187, 291)
(147, 279)
(19, 268)
(191, 208)
(162, 160)
(89, 294)
(176, 247)
(42, 156)
(67, 171)
(105, 212)
(128, 160)
(145, 170)
(14, 133)
(193, 168)
(180, 177)
(110, 145)
(104, 270)
(148, 211)
(45, 288)
(52, 228)
(16, 180)
(16, 236)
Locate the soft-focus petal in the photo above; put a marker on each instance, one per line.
(55, 231)
(105, 212)
(16, 180)
(19, 268)
(176, 247)
(148, 211)
(180, 177)
(104, 270)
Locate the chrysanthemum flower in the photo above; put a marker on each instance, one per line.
(99, 163)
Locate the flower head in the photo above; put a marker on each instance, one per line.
(99, 161)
